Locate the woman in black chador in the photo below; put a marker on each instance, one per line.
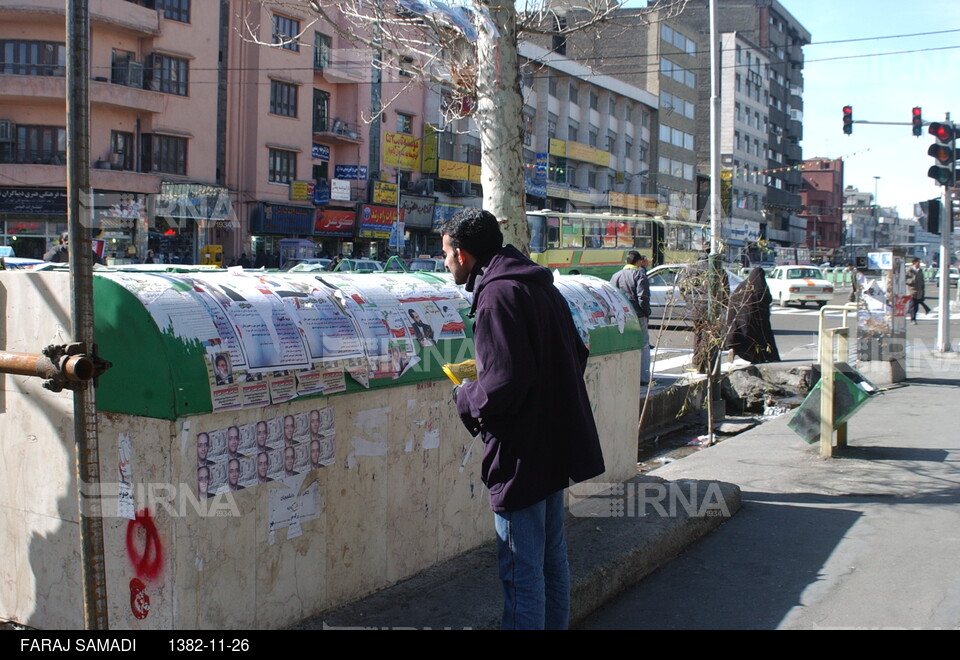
(748, 320)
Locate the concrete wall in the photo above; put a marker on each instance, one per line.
(392, 502)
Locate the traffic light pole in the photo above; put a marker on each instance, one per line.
(946, 238)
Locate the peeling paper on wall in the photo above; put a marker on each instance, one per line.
(424, 425)
(125, 504)
(184, 436)
(371, 423)
(292, 505)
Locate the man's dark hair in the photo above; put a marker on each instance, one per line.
(634, 257)
(475, 231)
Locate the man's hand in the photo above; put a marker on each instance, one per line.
(456, 389)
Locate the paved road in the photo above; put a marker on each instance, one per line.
(796, 333)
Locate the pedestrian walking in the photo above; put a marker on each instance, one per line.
(632, 281)
(530, 406)
(749, 332)
(916, 289)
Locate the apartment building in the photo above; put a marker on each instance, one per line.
(744, 128)
(154, 131)
(226, 123)
(780, 39)
(822, 197)
(587, 143)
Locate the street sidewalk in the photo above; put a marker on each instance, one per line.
(903, 450)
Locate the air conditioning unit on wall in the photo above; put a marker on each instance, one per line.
(8, 131)
(461, 189)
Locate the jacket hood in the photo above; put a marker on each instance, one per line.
(508, 263)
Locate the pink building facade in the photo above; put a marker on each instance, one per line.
(236, 124)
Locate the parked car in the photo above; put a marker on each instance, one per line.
(360, 265)
(426, 264)
(316, 263)
(665, 299)
(954, 275)
(799, 284)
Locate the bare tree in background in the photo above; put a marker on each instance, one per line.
(468, 49)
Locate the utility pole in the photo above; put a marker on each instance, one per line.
(79, 214)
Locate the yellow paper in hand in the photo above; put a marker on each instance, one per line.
(457, 372)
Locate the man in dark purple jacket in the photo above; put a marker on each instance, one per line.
(530, 405)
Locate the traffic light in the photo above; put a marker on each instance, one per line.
(848, 119)
(917, 122)
(943, 152)
(933, 215)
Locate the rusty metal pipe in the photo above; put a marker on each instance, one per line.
(75, 368)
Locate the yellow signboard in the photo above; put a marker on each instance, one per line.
(558, 147)
(385, 193)
(449, 169)
(578, 151)
(474, 174)
(301, 190)
(401, 150)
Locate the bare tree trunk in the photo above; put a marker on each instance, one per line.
(499, 118)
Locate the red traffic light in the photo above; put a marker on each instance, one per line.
(943, 132)
(917, 121)
(848, 119)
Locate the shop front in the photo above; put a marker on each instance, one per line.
(32, 219)
(186, 217)
(375, 225)
(333, 230)
(270, 223)
(418, 214)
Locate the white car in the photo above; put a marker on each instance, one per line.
(954, 275)
(799, 284)
(665, 299)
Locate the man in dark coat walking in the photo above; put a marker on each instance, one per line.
(530, 406)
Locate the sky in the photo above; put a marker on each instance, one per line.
(883, 79)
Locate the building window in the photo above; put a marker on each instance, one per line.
(594, 100)
(164, 153)
(321, 51)
(612, 107)
(169, 74)
(283, 166)
(574, 93)
(32, 58)
(36, 144)
(285, 32)
(552, 120)
(321, 111)
(175, 10)
(573, 132)
(125, 70)
(283, 99)
(404, 123)
(593, 136)
(406, 66)
(121, 150)
(591, 179)
(552, 85)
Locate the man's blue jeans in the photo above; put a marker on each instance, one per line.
(532, 555)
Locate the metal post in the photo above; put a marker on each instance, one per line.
(81, 277)
(946, 238)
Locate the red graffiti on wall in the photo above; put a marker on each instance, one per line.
(144, 549)
(139, 599)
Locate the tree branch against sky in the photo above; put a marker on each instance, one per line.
(468, 50)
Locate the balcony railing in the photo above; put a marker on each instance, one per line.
(338, 128)
(33, 157)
